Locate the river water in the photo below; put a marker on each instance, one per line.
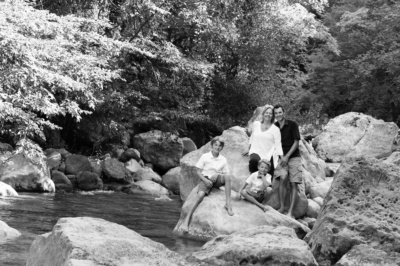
(35, 214)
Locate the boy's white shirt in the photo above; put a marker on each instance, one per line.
(256, 184)
(211, 165)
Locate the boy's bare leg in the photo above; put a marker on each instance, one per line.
(227, 180)
(185, 224)
(250, 198)
(292, 198)
(282, 192)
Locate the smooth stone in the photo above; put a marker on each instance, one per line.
(313, 209)
(7, 190)
(146, 173)
(84, 241)
(53, 158)
(88, 181)
(263, 245)
(321, 189)
(353, 135)
(61, 181)
(132, 166)
(211, 219)
(148, 187)
(188, 145)
(7, 232)
(319, 200)
(77, 163)
(171, 180)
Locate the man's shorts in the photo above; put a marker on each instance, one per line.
(293, 169)
(206, 189)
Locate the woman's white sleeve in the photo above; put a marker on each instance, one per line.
(278, 143)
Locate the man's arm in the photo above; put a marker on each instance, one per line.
(285, 158)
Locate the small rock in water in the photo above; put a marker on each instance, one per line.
(163, 198)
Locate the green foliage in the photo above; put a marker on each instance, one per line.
(365, 77)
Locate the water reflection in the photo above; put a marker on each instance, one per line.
(34, 214)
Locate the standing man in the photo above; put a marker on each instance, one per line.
(212, 170)
(290, 163)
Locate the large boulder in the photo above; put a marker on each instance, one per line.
(188, 145)
(7, 233)
(313, 209)
(211, 219)
(301, 204)
(6, 190)
(114, 170)
(163, 150)
(77, 163)
(61, 181)
(321, 189)
(263, 245)
(236, 142)
(92, 241)
(24, 173)
(132, 166)
(362, 207)
(88, 181)
(364, 255)
(171, 179)
(355, 134)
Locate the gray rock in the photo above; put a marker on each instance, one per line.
(163, 150)
(88, 181)
(77, 163)
(211, 219)
(353, 135)
(171, 180)
(61, 181)
(91, 241)
(263, 245)
(114, 170)
(364, 255)
(361, 207)
(7, 233)
(6, 190)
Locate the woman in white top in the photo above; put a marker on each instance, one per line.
(265, 141)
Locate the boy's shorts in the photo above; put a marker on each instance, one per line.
(259, 195)
(206, 189)
(293, 169)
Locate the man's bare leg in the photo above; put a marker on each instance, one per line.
(185, 224)
(228, 206)
(253, 200)
(292, 198)
(282, 193)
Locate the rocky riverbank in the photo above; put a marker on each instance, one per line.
(340, 216)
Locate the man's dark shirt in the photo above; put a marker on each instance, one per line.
(289, 133)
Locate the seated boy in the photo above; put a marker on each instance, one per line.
(212, 169)
(258, 185)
